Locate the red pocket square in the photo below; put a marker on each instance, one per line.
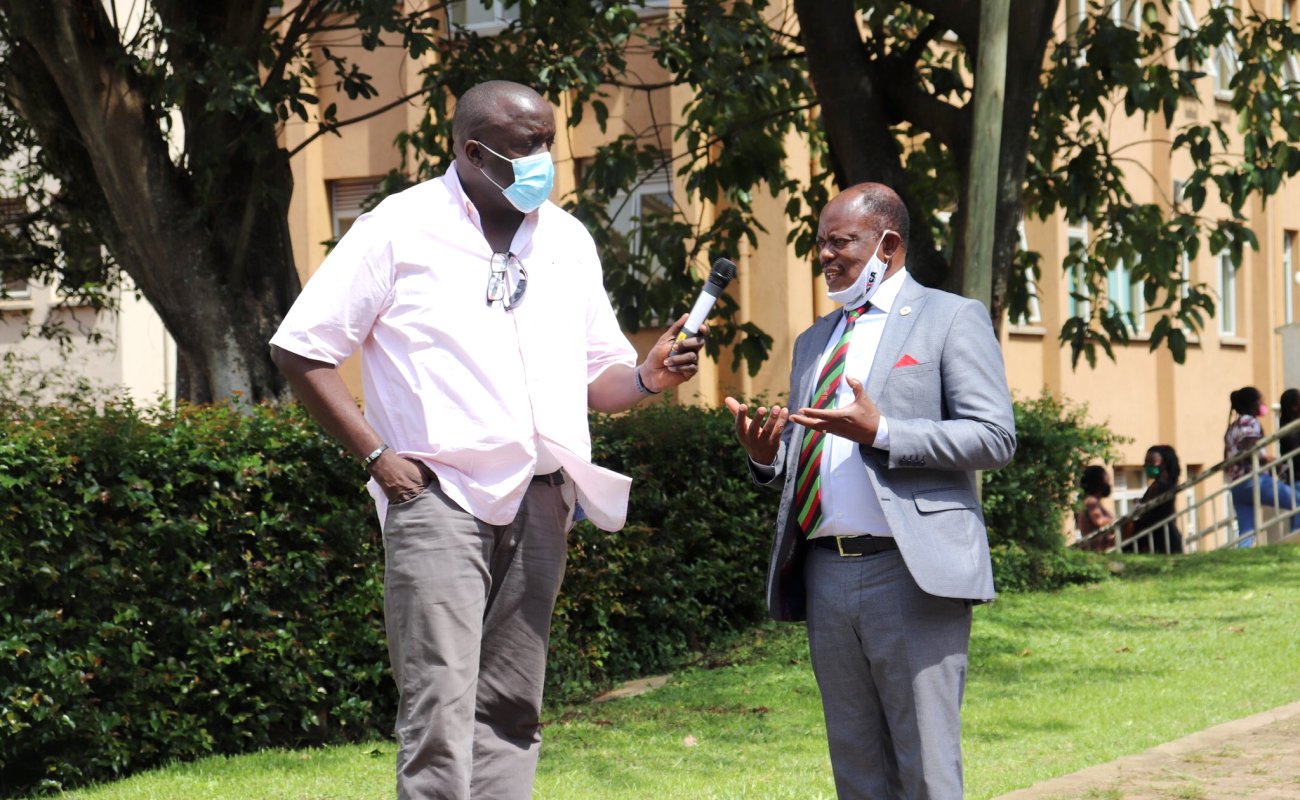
(906, 361)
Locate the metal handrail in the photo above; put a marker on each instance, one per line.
(1195, 510)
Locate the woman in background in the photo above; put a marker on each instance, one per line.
(1289, 443)
(1244, 432)
(1162, 467)
(1096, 486)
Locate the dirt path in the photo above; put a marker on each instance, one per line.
(1257, 757)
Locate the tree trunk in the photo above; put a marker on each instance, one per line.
(206, 244)
(861, 99)
(853, 111)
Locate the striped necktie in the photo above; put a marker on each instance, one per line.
(808, 487)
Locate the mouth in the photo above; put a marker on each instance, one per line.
(834, 276)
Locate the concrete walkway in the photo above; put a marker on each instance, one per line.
(1257, 757)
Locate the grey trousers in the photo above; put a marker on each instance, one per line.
(467, 608)
(890, 661)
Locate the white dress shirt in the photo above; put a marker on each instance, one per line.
(477, 392)
(849, 503)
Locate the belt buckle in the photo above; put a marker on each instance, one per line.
(839, 545)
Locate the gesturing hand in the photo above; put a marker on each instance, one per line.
(760, 436)
(856, 422)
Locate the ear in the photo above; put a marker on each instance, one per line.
(473, 152)
(889, 244)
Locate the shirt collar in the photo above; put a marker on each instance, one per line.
(885, 296)
(452, 180)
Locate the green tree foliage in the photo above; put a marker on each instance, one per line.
(157, 136)
(152, 128)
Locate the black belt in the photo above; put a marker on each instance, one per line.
(555, 478)
(857, 545)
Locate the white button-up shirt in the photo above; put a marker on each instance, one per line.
(475, 391)
(849, 503)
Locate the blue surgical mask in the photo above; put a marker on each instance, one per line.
(534, 179)
(867, 282)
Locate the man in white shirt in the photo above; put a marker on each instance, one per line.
(485, 333)
(880, 540)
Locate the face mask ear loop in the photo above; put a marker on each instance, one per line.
(480, 169)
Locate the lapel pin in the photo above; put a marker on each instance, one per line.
(904, 311)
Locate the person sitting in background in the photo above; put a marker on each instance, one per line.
(1093, 516)
(1162, 467)
(1244, 432)
(1288, 443)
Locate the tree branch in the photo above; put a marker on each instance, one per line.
(334, 126)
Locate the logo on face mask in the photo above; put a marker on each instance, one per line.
(1151, 471)
(868, 280)
(534, 179)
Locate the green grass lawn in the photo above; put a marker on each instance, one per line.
(1057, 682)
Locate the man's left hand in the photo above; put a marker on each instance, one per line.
(671, 363)
(856, 422)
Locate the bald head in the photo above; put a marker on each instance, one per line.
(491, 106)
(877, 204)
(861, 221)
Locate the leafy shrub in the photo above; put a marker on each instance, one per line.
(1027, 502)
(177, 583)
(690, 566)
(205, 580)
(1017, 569)
(199, 580)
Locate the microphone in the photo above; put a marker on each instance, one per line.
(721, 274)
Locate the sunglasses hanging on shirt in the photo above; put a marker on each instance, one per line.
(499, 281)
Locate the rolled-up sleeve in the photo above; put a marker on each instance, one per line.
(341, 301)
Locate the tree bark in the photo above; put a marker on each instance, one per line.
(853, 111)
(861, 97)
(183, 234)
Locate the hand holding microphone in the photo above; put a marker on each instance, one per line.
(675, 358)
(721, 274)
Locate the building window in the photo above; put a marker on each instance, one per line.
(1186, 28)
(484, 17)
(1223, 66)
(1125, 13)
(1076, 234)
(1288, 276)
(13, 209)
(1033, 309)
(1126, 296)
(1076, 19)
(1227, 295)
(651, 199)
(347, 201)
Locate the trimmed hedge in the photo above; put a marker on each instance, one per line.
(208, 580)
(174, 584)
(689, 567)
(203, 580)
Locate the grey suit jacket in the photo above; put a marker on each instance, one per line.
(949, 414)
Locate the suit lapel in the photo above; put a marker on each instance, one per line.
(892, 340)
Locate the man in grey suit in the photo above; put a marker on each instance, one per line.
(880, 541)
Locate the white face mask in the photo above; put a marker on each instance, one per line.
(867, 282)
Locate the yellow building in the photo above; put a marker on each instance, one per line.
(1142, 395)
